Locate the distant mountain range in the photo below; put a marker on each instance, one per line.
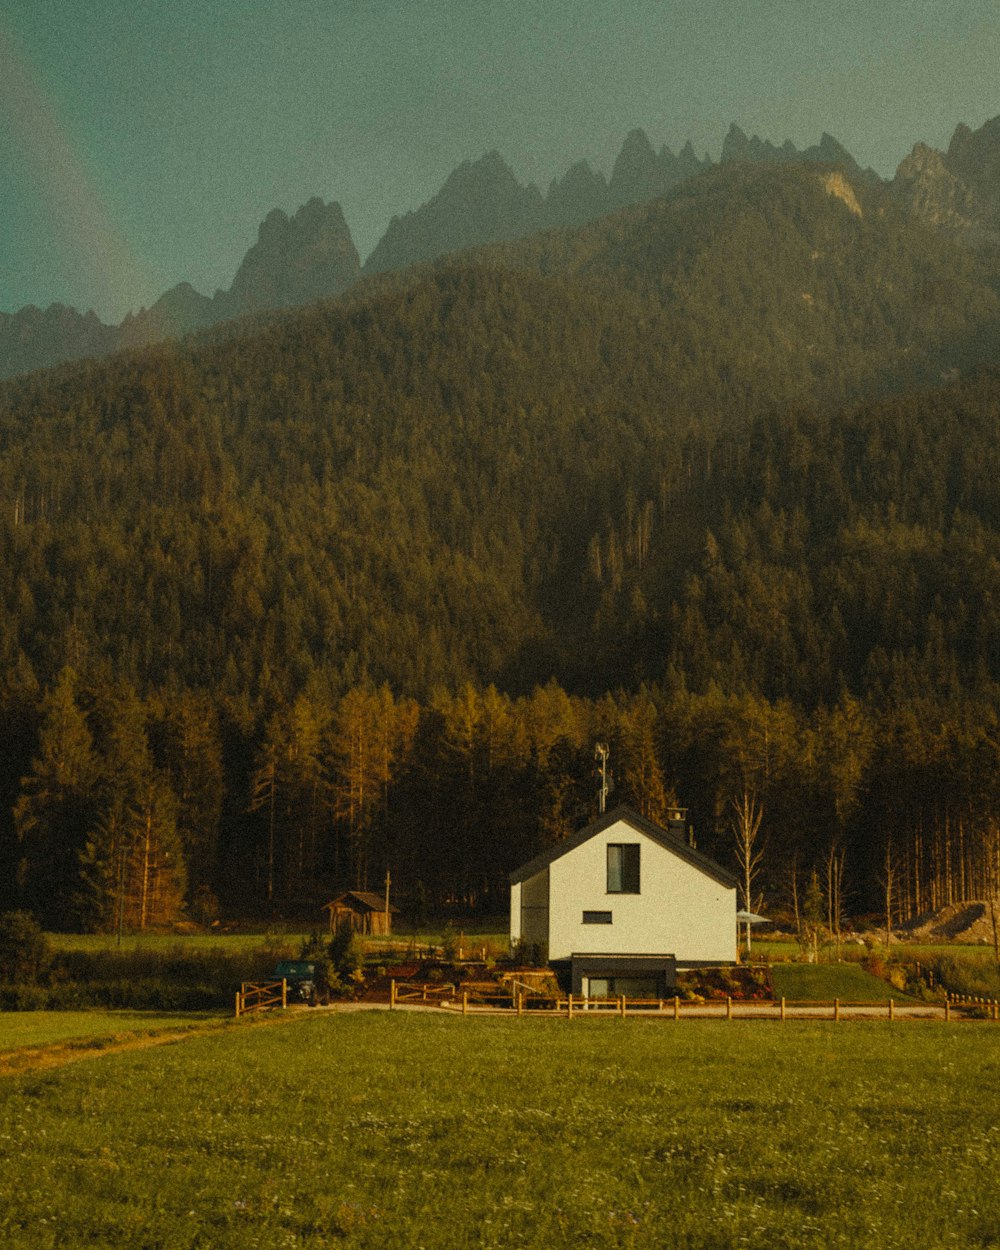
(311, 255)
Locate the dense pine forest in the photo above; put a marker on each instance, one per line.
(356, 588)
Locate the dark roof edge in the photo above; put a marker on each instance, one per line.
(663, 836)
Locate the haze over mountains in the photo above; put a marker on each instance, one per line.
(720, 466)
(311, 255)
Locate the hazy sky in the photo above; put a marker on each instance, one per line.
(142, 141)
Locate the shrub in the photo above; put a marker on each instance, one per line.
(24, 949)
(346, 953)
(976, 978)
(23, 998)
(144, 980)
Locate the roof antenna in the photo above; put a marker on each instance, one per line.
(601, 753)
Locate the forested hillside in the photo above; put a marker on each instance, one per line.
(357, 587)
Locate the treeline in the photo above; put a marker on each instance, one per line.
(133, 812)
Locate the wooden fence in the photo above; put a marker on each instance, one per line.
(261, 995)
(989, 1007)
(522, 1000)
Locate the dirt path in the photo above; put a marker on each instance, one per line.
(72, 1049)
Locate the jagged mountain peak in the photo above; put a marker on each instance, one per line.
(480, 201)
(974, 155)
(491, 167)
(958, 189)
(296, 259)
(829, 151)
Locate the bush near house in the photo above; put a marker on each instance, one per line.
(24, 949)
(739, 982)
(166, 979)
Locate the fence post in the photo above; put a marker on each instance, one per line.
(782, 1006)
(520, 1004)
(465, 1002)
(237, 1004)
(947, 1009)
(891, 1006)
(729, 1007)
(569, 1006)
(621, 1006)
(677, 1007)
(836, 1010)
(392, 995)
(284, 993)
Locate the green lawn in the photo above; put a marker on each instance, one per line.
(43, 1028)
(825, 982)
(166, 942)
(492, 932)
(377, 1129)
(851, 951)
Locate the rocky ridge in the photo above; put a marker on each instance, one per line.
(957, 190)
(311, 255)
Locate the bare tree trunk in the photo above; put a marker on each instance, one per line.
(889, 883)
(144, 885)
(748, 812)
(793, 883)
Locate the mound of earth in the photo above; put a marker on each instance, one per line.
(958, 922)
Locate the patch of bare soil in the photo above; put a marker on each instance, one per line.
(37, 1058)
(57, 1054)
(958, 922)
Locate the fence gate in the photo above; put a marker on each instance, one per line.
(260, 995)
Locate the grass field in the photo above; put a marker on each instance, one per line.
(825, 982)
(491, 932)
(906, 950)
(43, 1028)
(379, 1129)
(166, 942)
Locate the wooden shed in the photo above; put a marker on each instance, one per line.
(362, 911)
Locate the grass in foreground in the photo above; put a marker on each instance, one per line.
(44, 1028)
(379, 1129)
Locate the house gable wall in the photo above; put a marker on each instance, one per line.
(679, 909)
(529, 912)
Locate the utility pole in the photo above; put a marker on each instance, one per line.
(601, 753)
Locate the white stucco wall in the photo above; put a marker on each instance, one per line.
(515, 914)
(529, 911)
(679, 911)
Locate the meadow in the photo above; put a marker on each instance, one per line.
(824, 982)
(44, 1028)
(428, 1131)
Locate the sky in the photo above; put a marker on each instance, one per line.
(143, 141)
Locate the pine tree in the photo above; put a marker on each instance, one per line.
(56, 809)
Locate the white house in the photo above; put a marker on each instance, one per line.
(623, 903)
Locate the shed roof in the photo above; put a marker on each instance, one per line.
(361, 900)
(668, 840)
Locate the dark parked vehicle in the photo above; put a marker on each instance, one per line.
(300, 978)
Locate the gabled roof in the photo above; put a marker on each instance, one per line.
(669, 841)
(361, 900)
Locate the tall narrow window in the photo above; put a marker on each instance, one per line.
(623, 868)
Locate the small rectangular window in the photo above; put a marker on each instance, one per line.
(597, 917)
(623, 868)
